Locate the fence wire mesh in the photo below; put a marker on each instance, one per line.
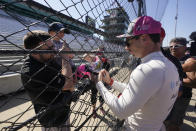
(93, 25)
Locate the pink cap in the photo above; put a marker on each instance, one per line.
(142, 25)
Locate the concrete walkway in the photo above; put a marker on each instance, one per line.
(190, 119)
(12, 107)
(19, 108)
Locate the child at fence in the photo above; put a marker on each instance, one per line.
(58, 31)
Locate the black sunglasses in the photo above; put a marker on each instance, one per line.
(176, 46)
(49, 48)
(130, 38)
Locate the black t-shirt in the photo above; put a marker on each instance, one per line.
(44, 82)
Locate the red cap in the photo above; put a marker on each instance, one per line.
(162, 33)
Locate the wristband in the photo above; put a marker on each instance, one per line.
(111, 82)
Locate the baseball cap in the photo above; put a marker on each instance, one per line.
(82, 71)
(57, 26)
(142, 25)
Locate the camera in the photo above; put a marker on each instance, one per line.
(192, 48)
(192, 43)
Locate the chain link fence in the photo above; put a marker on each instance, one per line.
(93, 24)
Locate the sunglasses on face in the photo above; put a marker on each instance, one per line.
(49, 48)
(176, 46)
(130, 38)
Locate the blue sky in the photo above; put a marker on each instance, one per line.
(164, 12)
(186, 22)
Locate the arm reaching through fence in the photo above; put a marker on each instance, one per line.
(67, 70)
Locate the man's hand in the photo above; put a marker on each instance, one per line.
(104, 76)
(64, 48)
(66, 56)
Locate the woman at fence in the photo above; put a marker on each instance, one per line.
(153, 86)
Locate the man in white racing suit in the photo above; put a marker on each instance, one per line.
(153, 87)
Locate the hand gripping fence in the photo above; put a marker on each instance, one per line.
(93, 25)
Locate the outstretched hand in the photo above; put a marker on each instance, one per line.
(65, 47)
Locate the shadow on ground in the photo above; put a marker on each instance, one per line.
(12, 100)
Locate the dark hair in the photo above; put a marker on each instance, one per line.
(180, 40)
(193, 43)
(156, 38)
(193, 35)
(32, 39)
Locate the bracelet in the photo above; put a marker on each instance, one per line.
(111, 82)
